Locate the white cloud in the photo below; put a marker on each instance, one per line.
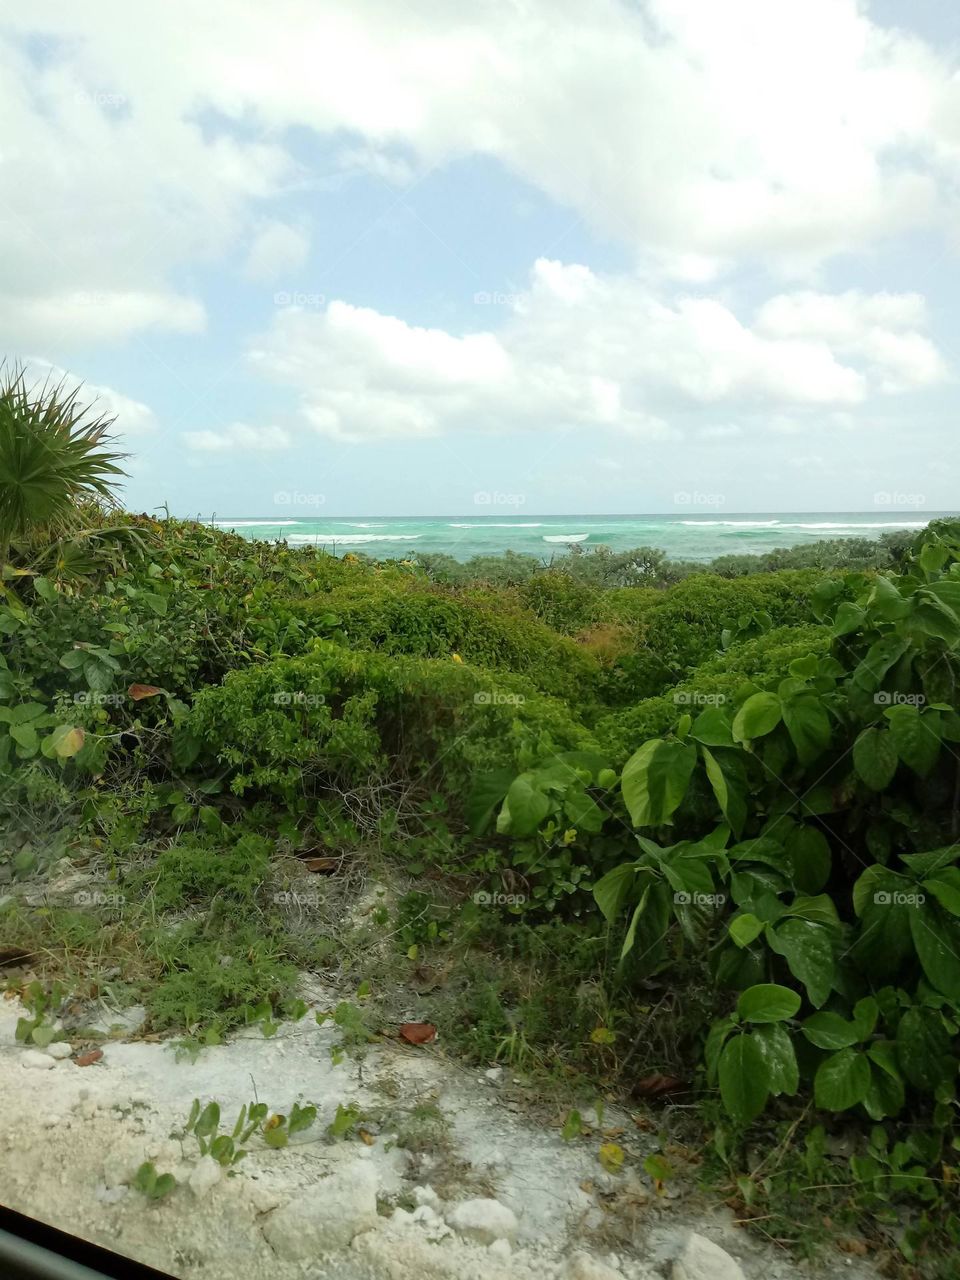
(698, 134)
(882, 328)
(132, 417)
(579, 349)
(238, 437)
(276, 248)
(87, 317)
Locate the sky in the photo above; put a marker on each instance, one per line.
(377, 257)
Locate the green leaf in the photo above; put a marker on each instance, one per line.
(782, 1071)
(875, 758)
(809, 853)
(524, 808)
(572, 1126)
(759, 715)
(842, 1080)
(485, 795)
(807, 949)
(712, 728)
(610, 891)
(808, 725)
(768, 1002)
(886, 1094)
(73, 659)
(745, 928)
(924, 1049)
(655, 780)
(830, 1031)
(729, 797)
(916, 737)
(945, 887)
(744, 1078)
(25, 735)
(936, 937)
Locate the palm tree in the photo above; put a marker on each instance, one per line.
(54, 454)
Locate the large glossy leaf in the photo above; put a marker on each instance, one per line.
(758, 716)
(744, 1078)
(655, 780)
(875, 758)
(936, 935)
(842, 1080)
(808, 951)
(768, 1002)
(916, 737)
(782, 1071)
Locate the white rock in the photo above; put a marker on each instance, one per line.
(426, 1195)
(494, 1074)
(118, 1170)
(701, 1259)
(581, 1266)
(262, 1198)
(327, 1215)
(204, 1176)
(60, 1049)
(483, 1220)
(500, 1248)
(37, 1060)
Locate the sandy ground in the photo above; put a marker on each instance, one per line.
(72, 1137)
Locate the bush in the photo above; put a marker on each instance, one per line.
(411, 621)
(683, 627)
(760, 660)
(296, 726)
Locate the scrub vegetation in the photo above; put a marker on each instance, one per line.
(624, 827)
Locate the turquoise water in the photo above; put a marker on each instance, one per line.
(683, 537)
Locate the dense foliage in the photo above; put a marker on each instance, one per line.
(738, 791)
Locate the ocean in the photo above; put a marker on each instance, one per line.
(682, 537)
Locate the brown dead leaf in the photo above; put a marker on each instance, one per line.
(653, 1085)
(417, 1032)
(366, 1137)
(140, 691)
(89, 1058)
(848, 1244)
(319, 866)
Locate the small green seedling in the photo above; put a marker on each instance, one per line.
(345, 1119)
(39, 1029)
(155, 1186)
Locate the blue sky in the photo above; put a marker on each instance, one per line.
(369, 259)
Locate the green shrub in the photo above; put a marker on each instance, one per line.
(806, 833)
(760, 660)
(414, 622)
(293, 726)
(683, 627)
